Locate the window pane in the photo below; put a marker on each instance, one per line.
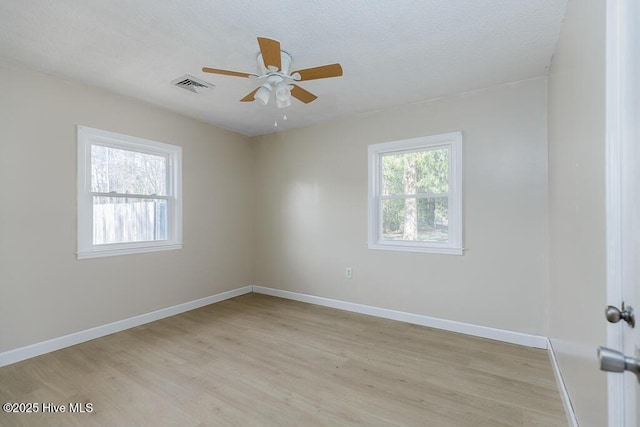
(123, 220)
(423, 220)
(127, 172)
(433, 219)
(424, 171)
(432, 171)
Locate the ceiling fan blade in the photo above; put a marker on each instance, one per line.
(321, 72)
(270, 50)
(302, 95)
(250, 95)
(226, 72)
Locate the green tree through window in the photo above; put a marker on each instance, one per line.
(415, 186)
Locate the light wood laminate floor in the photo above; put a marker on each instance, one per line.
(257, 360)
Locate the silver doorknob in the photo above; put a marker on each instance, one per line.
(614, 361)
(614, 315)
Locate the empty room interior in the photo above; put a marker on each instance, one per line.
(303, 213)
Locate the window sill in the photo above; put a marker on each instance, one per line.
(100, 253)
(422, 249)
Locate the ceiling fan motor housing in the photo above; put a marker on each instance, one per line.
(285, 59)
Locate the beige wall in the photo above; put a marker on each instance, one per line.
(311, 211)
(577, 206)
(46, 292)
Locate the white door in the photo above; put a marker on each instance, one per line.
(623, 201)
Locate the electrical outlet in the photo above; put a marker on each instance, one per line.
(348, 273)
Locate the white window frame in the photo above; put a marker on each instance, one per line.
(89, 136)
(452, 141)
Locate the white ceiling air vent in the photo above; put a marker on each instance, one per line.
(192, 84)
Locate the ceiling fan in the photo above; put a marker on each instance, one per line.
(273, 64)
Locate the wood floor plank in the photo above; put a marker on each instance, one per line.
(257, 360)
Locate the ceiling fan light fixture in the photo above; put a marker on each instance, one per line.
(283, 93)
(263, 94)
(283, 103)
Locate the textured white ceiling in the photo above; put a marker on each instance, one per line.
(392, 51)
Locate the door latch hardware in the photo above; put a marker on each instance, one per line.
(614, 315)
(614, 361)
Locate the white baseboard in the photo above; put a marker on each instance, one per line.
(33, 350)
(562, 387)
(528, 340)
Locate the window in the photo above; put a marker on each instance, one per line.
(129, 194)
(415, 194)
